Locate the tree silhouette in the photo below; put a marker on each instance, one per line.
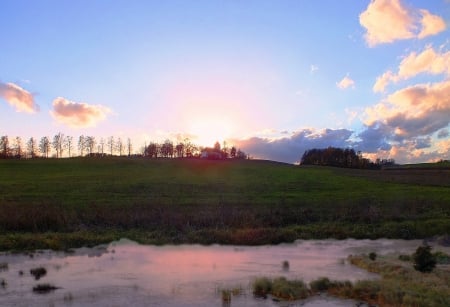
(44, 146)
(58, 141)
(111, 144)
(68, 144)
(31, 147)
(119, 146)
(129, 147)
(4, 146)
(233, 152)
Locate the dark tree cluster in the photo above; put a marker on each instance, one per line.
(186, 149)
(339, 157)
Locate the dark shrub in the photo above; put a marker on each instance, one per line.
(44, 288)
(38, 272)
(424, 261)
(372, 256)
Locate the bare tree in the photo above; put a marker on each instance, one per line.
(179, 149)
(129, 146)
(102, 146)
(111, 144)
(31, 147)
(58, 140)
(4, 146)
(18, 147)
(167, 149)
(119, 146)
(90, 144)
(152, 150)
(189, 148)
(81, 144)
(44, 146)
(233, 152)
(68, 144)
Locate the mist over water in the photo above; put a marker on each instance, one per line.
(126, 273)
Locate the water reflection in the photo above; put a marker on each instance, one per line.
(126, 273)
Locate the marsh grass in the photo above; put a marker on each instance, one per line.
(64, 203)
(227, 294)
(401, 284)
(280, 287)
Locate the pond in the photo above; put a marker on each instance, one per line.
(126, 273)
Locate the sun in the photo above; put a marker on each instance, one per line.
(209, 131)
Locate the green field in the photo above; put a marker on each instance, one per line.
(61, 203)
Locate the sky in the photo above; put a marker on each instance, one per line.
(274, 78)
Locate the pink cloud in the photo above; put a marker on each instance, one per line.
(78, 114)
(414, 111)
(428, 61)
(431, 24)
(345, 83)
(386, 21)
(18, 97)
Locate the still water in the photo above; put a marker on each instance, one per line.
(125, 273)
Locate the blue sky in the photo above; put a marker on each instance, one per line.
(272, 77)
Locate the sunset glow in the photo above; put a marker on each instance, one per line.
(210, 130)
(373, 75)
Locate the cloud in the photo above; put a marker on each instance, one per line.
(345, 83)
(374, 138)
(290, 149)
(443, 134)
(313, 68)
(431, 24)
(384, 81)
(386, 21)
(414, 111)
(428, 61)
(18, 97)
(78, 114)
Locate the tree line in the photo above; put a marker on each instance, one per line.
(66, 146)
(340, 157)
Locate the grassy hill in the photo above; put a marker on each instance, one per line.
(58, 203)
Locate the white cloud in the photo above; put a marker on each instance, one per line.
(428, 61)
(345, 83)
(18, 97)
(78, 114)
(386, 21)
(313, 68)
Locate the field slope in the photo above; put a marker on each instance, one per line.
(60, 203)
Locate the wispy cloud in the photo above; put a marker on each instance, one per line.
(345, 83)
(18, 97)
(78, 114)
(313, 68)
(428, 61)
(386, 21)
